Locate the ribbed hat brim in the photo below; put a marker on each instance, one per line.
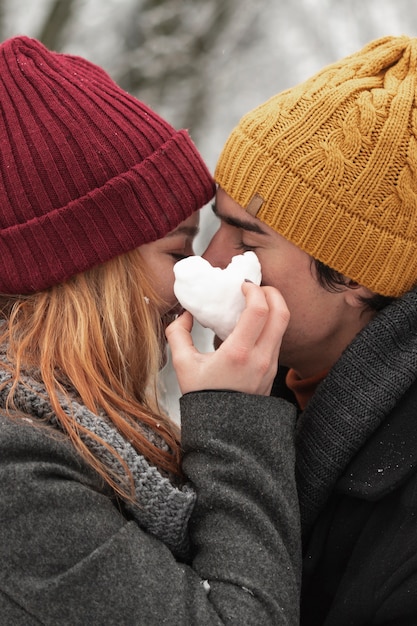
(133, 208)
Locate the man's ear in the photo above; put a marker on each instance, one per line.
(354, 294)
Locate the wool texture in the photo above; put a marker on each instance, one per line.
(87, 171)
(331, 165)
(162, 507)
(380, 365)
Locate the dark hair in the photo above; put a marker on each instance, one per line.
(331, 280)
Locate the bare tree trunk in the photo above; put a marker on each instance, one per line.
(55, 22)
(195, 113)
(167, 52)
(2, 13)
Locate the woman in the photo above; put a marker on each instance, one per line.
(102, 521)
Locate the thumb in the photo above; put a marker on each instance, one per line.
(178, 333)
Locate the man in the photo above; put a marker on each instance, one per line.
(321, 182)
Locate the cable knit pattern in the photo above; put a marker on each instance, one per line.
(161, 508)
(379, 365)
(334, 160)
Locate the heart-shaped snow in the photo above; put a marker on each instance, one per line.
(212, 295)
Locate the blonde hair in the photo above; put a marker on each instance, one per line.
(100, 332)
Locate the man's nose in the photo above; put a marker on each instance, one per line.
(219, 252)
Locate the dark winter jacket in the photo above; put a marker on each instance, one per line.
(70, 554)
(357, 480)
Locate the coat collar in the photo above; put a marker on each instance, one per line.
(389, 457)
(361, 392)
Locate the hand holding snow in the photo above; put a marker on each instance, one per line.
(212, 295)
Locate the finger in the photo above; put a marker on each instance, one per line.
(270, 338)
(252, 319)
(178, 333)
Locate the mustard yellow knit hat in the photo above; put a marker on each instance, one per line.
(331, 165)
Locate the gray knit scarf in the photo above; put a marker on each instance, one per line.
(162, 508)
(359, 392)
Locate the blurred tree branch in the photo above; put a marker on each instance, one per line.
(2, 14)
(57, 19)
(168, 44)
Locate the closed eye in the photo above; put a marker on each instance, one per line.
(178, 257)
(244, 247)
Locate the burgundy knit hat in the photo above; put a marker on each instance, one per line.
(87, 172)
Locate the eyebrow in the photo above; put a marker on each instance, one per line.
(238, 222)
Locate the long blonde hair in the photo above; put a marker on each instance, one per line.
(100, 332)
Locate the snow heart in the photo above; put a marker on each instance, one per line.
(212, 295)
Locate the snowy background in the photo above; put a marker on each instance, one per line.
(203, 63)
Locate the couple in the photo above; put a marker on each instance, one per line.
(291, 496)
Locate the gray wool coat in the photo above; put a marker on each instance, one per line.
(70, 554)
